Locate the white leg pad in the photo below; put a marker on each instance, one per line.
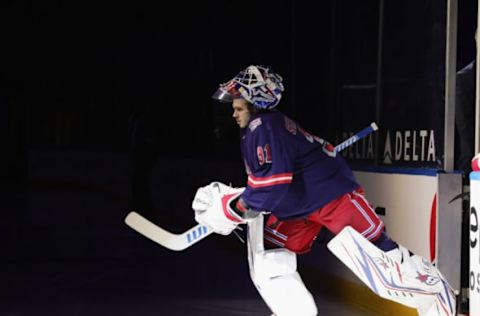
(412, 281)
(286, 295)
(274, 263)
(274, 273)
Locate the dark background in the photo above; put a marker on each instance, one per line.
(106, 107)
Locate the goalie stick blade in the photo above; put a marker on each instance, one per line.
(176, 242)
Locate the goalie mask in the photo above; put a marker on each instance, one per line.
(256, 84)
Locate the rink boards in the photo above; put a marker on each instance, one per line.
(474, 244)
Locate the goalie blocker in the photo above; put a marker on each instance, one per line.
(219, 207)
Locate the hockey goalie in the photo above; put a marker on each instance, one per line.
(296, 186)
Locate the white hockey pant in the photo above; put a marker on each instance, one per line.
(274, 273)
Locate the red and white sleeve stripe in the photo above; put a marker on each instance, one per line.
(261, 182)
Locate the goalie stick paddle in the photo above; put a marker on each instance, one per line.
(179, 242)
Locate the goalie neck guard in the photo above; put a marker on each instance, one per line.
(257, 84)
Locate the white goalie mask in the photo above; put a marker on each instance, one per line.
(257, 84)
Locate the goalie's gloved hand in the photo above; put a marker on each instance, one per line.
(212, 206)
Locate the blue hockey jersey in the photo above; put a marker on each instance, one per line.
(291, 173)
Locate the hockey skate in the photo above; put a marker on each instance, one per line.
(422, 274)
(416, 270)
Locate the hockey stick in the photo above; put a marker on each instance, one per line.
(179, 242)
(165, 238)
(355, 138)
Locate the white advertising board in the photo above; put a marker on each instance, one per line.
(474, 244)
(409, 201)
